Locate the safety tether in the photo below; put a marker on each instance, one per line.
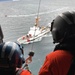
(72, 67)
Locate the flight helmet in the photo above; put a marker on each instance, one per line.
(11, 55)
(63, 27)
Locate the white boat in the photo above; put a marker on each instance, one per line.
(35, 34)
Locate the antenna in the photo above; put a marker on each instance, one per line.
(38, 8)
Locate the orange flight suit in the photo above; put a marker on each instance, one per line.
(25, 72)
(56, 63)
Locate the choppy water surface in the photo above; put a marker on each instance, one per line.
(17, 17)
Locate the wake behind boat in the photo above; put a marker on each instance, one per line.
(35, 34)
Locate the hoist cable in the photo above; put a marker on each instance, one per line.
(31, 53)
(37, 20)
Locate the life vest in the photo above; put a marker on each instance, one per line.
(23, 72)
(28, 40)
(70, 48)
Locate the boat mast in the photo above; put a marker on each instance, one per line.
(37, 19)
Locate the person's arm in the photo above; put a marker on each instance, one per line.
(49, 67)
(44, 70)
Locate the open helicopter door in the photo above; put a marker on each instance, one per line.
(1, 35)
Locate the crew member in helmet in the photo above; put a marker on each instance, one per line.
(62, 60)
(11, 59)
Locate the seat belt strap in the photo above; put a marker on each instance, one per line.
(72, 68)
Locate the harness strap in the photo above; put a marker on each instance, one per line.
(72, 68)
(19, 71)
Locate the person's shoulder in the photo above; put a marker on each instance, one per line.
(58, 54)
(25, 72)
(54, 53)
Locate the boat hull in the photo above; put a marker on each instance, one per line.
(35, 38)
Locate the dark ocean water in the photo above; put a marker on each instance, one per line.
(17, 17)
